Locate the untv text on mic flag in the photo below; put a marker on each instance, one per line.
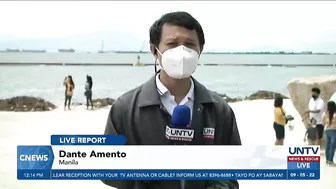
(104, 157)
(178, 132)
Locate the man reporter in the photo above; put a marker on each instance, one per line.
(176, 41)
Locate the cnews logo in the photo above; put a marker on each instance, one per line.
(33, 157)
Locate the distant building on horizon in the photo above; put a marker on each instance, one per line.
(33, 50)
(71, 50)
(25, 50)
(12, 50)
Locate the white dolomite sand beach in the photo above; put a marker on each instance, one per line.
(254, 118)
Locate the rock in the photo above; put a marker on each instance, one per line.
(100, 103)
(255, 96)
(229, 99)
(300, 92)
(264, 95)
(25, 104)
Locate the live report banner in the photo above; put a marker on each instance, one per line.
(97, 157)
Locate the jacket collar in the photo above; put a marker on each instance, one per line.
(149, 95)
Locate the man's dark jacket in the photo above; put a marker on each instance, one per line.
(140, 116)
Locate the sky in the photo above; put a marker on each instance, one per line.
(228, 26)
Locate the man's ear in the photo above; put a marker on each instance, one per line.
(154, 51)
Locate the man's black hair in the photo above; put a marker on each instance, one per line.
(182, 19)
(316, 90)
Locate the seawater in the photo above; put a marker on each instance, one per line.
(114, 58)
(112, 81)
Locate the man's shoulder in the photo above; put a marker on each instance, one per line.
(320, 100)
(129, 96)
(218, 100)
(311, 100)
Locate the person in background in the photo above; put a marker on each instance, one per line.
(316, 106)
(329, 120)
(279, 121)
(69, 88)
(88, 91)
(310, 135)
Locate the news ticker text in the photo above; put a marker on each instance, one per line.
(168, 174)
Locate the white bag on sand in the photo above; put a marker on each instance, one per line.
(289, 119)
(290, 125)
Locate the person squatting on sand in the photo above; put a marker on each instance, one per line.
(88, 91)
(329, 120)
(279, 121)
(69, 88)
(310, 135)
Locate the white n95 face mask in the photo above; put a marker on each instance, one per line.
(179, 62)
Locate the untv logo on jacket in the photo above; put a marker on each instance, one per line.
(209, 133)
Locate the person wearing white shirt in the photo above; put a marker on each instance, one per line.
(316, 109)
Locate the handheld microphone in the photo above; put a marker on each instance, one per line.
(178, 130)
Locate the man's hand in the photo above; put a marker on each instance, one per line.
(305, 116)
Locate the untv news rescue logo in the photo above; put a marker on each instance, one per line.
(209, 133)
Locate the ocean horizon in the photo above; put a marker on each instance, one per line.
(112, 58)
